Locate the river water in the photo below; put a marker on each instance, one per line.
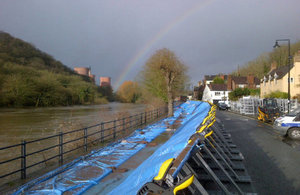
(33, 123)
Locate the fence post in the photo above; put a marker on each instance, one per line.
(157, 113)
(61, 149)
(114, 129)
(102, 132)
(85, 139)
(145, 117)
(130, 118)
(123, 125)
(141, 119)
(23, 160)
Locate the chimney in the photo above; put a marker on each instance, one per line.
(273, 66)
(229, 83)
(199, 83)
(250, 81)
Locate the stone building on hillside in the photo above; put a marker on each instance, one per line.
(105, 81)
(86, 72)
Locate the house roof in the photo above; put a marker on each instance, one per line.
(256, 81)
(280, 71)
(244, 80)
(218, 87)
(240, 80)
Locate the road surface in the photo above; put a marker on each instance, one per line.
(272, 161)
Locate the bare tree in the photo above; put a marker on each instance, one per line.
(164, 75)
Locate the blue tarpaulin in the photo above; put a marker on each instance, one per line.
(83, 173)
(149, 168)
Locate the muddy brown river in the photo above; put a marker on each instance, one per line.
(33, 123)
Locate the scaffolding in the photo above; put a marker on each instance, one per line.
(249, 105)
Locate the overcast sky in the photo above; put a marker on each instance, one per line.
(116, 37)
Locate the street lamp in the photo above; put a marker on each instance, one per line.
(289, 64)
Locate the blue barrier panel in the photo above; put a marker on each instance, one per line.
(81, 174)
(171, 149)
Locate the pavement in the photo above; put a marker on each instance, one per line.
(272, 161)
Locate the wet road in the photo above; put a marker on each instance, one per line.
(272, 161)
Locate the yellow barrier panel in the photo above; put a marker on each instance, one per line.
(208, 134)
(163, 168)
(184, 185)
(201, 128)
(205, 119)
(210, 124)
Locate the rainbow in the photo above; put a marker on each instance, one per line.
(141, 53)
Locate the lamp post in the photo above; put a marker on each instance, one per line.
(289, 64)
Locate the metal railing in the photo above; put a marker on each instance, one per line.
(55, 148)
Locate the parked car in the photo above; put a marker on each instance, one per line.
(222, 106)
(289, 125)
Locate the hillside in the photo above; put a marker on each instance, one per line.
(30, 77)
(262, 64)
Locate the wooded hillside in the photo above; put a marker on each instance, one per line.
(30, 77)
(262, 64)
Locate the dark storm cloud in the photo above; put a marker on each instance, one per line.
(106, 35)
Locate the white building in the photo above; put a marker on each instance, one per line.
(215, 93)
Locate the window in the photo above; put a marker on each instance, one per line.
(217, 93)
(292, 79)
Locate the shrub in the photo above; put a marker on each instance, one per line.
(238, 93)
(278, 94)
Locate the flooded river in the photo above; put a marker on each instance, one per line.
(32, 123)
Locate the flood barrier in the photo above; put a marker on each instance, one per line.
(208, 164)
(87, 171)
(171, 149)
